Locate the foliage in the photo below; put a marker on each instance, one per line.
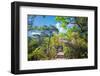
(76, 36)
(38, 54)
(43, 51)
(52, 53)
(74, 41)
(78, 45)
(32, 44)
(54, 40)
(62, 20)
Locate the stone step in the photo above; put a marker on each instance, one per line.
(60, 55)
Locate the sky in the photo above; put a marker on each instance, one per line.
(40, 20)
(47, 20)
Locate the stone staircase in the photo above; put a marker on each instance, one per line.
(60, 55)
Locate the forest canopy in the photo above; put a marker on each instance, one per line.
(57, 37)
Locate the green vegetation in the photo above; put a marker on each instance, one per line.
(73, 43)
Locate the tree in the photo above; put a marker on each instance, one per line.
(77, 38)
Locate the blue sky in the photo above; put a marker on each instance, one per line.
(47, 20)
(40, 20)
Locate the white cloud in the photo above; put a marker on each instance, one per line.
(58, 26)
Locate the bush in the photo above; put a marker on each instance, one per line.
(38, 54)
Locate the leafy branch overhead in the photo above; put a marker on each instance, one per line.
(67, 39)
